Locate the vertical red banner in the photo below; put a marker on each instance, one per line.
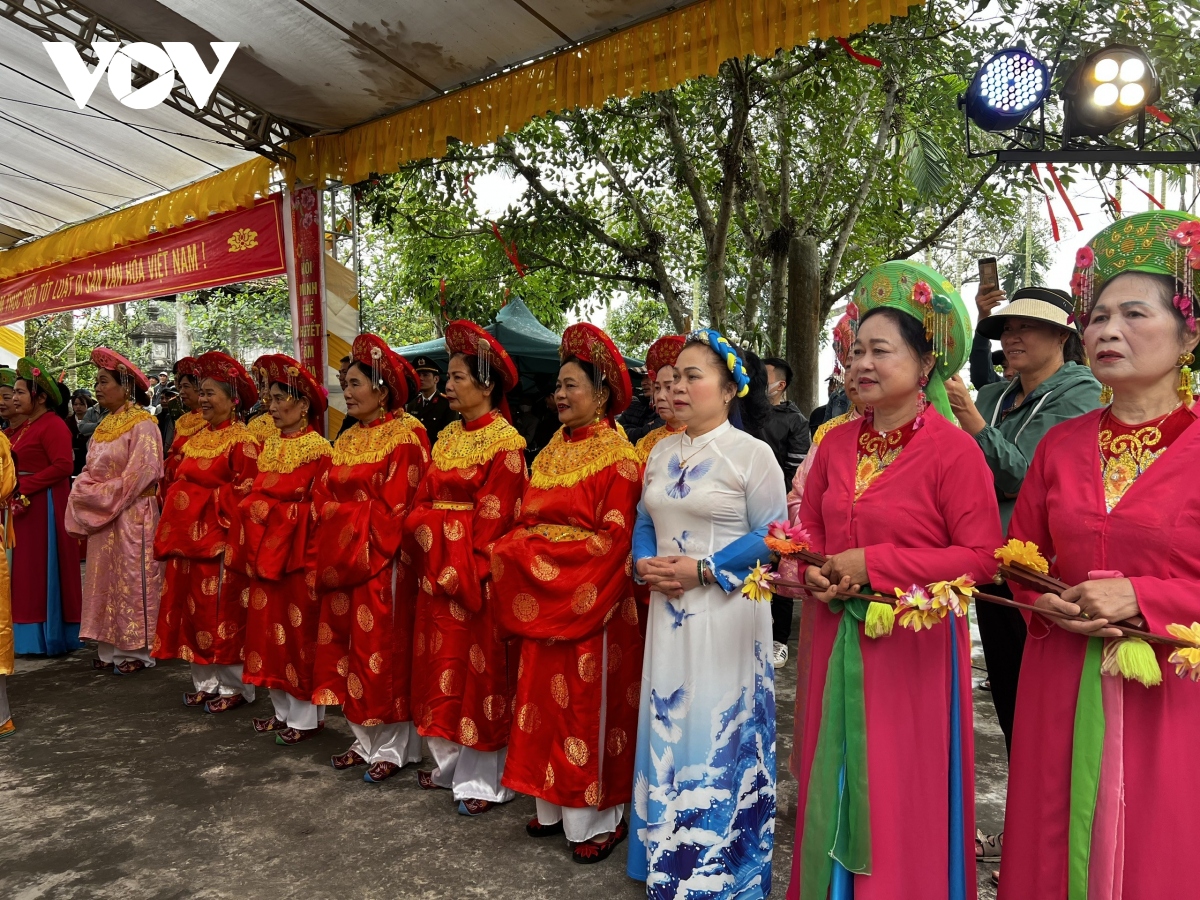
(307, 280)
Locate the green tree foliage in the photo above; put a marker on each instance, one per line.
(636, 323)
(242, 320)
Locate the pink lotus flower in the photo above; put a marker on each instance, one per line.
(1193, 257)
(1184, 305)
(922, 293)
(1085, 258)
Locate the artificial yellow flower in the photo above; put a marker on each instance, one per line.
(1186, 660)
(916, 609)
(757, 585)
(953, 595)
(1023, 553)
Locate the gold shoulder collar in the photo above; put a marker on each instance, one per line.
(650, 440)
(262, 427)
(189, 423)
(566, 463)
(361, 445)
(213, 443)
(114, 425)
(825, 428)
(283, 455)
(457, 448)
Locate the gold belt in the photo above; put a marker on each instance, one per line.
(453, 505)
(559, 533)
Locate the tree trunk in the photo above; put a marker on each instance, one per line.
(804, 320)
(119, 314)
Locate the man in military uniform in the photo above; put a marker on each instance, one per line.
(430, 405)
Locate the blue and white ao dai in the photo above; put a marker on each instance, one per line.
(704, 787)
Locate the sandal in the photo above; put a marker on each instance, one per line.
(7, 729)
(426, 782)
(268, 724)
(590, 852)
(289, 736)
(129, 667)
(198, 698)
(988, 846)
(996, 877)
(474, 807)
(380, 771)
(224, 704)
(536, 829)
(100, 665)
(986, 684)
(347, 760)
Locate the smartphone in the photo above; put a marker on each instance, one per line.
(989, 275)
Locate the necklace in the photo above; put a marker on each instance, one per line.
(23, 428)
(683, 460)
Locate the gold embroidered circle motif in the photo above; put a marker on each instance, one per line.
(453, 530)
(294, 615)
(343, 666)
(424, 536)
(558, 690)
(448, 682)
(181, 500)
(259, 510)
(448, 579)
(497, 568)
(584, 598)
(458, 611)
(339, 604)
(599, 544)
(494, 706)
(279, 633)
(489, 507)
(204, 639)
(614, 658)
(543, 568)
(617, 741)
(468, 733)
(366, 621)
(375, 663)
(591, 796)
(577, 753)
(324, 634)
(629, 610)
(528, 718)
(289, 672)
(525, 607)
(354, 686)
(588, 667)
(253, 662)
(478, 663)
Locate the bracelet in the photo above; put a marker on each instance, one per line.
(700, 572)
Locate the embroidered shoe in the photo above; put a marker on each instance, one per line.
(426, 782)
(474, 807)
(268, 724)
(590, 852)
(224, 704)
(7, 729)
(129, 667)
(199, 698)
(347, 760)
(380, 771)
(290, 736)
(536, 829)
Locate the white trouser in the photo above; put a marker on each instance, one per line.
(471, 774)
(223, 680)
(397, 742)
(5, 712)
(580, 825)
(295, 712)
(109, 653)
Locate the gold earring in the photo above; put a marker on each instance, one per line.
(1185, 378)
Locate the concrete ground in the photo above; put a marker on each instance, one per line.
(111, 788)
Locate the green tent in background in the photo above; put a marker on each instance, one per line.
(533, 346)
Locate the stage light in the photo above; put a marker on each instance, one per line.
(1006, 89)
(1106, 89)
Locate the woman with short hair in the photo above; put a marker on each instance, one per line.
(113, 506)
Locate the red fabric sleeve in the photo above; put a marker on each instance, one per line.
(506, 480)
(811, 516)
(55, 440)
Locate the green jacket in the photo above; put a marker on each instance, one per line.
(1008, 441)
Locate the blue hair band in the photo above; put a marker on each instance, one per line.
(727, 353)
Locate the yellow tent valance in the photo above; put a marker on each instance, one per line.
(235, 188)
(656, 55)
